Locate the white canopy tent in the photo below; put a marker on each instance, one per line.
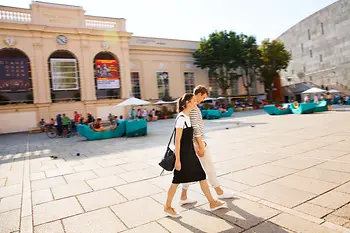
(333, 91)
(164, 102)
(133, 102)
(314, 90)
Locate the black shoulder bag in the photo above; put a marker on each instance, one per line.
(168, 161)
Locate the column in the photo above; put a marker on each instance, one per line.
(87, 82)
(40, 75)
(176, 82)
(125, 68)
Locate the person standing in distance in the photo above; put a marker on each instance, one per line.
(201, 146)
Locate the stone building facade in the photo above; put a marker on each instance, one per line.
(320, 48)
(55, 59)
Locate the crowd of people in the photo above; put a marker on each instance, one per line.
(316, 99)
(149, 115)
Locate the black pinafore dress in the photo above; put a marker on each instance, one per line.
(191, 168)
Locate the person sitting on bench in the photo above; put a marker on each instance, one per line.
(97, 127)
(115, 123)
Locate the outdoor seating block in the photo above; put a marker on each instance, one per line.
(273, 110)
(204, 113)
(136, 128)
(90, 134)
(304, 108)
(321, 106)
(228, 113)
(213, 114)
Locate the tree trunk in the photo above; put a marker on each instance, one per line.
(270, 95)
(224, 92)
(248, 92)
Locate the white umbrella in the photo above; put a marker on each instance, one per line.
(133, 102)
(314, 90)
(162, 102)
(333, 91)
(207, 99)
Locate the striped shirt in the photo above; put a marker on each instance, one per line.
(197, 122)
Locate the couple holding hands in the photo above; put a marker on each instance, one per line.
(192, 158)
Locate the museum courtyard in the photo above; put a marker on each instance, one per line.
(289, 173)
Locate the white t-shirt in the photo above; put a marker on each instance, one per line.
(144, 114)
(180, 123)
(181, 119)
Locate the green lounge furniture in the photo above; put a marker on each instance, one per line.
(204, 113)
(228, 113)
(273, 110)
(213, 114)
(321, 106)
(347, 102)
(136, 128)
(336, 100)
(304, 108)
(90, 134)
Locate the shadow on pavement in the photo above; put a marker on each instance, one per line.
(239, 221)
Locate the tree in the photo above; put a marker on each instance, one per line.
(220, 54)
(249, 61)
(274, 58)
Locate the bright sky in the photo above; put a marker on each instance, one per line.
(193, 19)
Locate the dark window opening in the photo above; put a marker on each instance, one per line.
(135, 83)
(15, 77)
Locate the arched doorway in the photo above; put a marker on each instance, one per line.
(15, 77)
(107, 76)
(64, 76)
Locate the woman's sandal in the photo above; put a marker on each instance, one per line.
(170, 212)
(218, 205)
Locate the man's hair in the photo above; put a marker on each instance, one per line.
(200, 90)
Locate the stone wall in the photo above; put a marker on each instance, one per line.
(320, 47)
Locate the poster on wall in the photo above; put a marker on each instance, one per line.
(106, 74)
(64, 74)
(14, 75)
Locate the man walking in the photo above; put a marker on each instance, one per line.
(200, 93)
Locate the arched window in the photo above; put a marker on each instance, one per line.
(15, 77)
(64, 76)
(107, 76)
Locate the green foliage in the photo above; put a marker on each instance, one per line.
(220, 54)
(229, 56)
(275, 58)
(250, 61)
(165, 111)
(206, 106)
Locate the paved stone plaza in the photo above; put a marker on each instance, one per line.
(290, 174)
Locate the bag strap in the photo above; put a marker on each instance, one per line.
(174, 130)
(171, 138)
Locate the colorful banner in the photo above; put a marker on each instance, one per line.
(106, 74)
(64, 74)
(14, 75)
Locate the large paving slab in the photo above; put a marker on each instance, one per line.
(99, 221)
(290, 174)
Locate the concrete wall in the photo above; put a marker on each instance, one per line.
(327, 34)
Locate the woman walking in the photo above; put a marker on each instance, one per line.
(187, 165)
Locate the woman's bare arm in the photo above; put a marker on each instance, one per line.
(178, 136)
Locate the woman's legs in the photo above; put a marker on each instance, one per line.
(171, 194)
(214, 204)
